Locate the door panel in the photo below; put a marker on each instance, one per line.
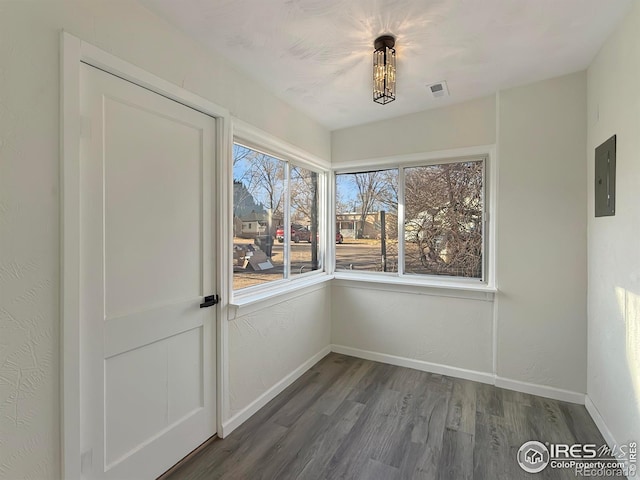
(135, 393)
(152, 398)
(148, 350)
(140, 229)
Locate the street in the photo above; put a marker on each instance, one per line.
(350, 255)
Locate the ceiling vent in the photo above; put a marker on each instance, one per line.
(439, 89)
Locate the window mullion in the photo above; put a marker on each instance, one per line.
(485, 220)
(287, 221)
(401, 213)
(323, 224)
(331, 224)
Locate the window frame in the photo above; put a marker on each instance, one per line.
(486, 154)
(260, 141)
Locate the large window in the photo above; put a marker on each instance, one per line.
(439, 229)
(276, 233)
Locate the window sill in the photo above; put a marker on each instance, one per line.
(245, 303)
(419, 286)
(254, 301)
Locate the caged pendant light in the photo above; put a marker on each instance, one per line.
(384, 70)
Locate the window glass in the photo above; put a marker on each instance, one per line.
(258, 208)
(304, 223)
(367, 221)
(444, 219)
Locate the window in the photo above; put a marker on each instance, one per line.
(276, 234)
(367, 219)
(438, 229)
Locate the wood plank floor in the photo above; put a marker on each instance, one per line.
(348, 418)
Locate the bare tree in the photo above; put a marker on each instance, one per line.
(267, 180)
(444, 215)
(375, 190)
(263, 177)
(388, 195)
(303, 185)
(343, 205)
(240, 152)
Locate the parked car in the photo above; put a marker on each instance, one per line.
(299, 233)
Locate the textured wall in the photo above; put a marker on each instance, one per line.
(29, 406)
(614, 253)
(463, 125)
(450, 331)
(542, 236)
(267, 345)
(29, 164)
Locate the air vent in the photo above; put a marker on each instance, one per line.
(438, 89)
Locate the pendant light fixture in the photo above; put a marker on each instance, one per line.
(384, 70)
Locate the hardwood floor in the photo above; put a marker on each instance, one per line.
(348, 418)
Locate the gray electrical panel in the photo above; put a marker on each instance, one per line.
(605, 191)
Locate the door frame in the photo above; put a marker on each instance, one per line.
(73, 52)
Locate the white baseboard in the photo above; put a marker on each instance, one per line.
(415, 364)
(246, 413)
(602, 426)
(541, 390)
(599, 421)
(483, 377)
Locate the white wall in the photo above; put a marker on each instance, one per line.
(29, 212)
(443, 330)
(542, 237)
(268, 344)
(464, 125)
(614, 242)
(541, 244)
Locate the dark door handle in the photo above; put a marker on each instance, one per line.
(210, 301)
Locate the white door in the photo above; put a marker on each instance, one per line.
(147, 348)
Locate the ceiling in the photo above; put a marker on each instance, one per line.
(316, 54)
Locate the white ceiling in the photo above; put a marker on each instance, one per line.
(316, 54)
